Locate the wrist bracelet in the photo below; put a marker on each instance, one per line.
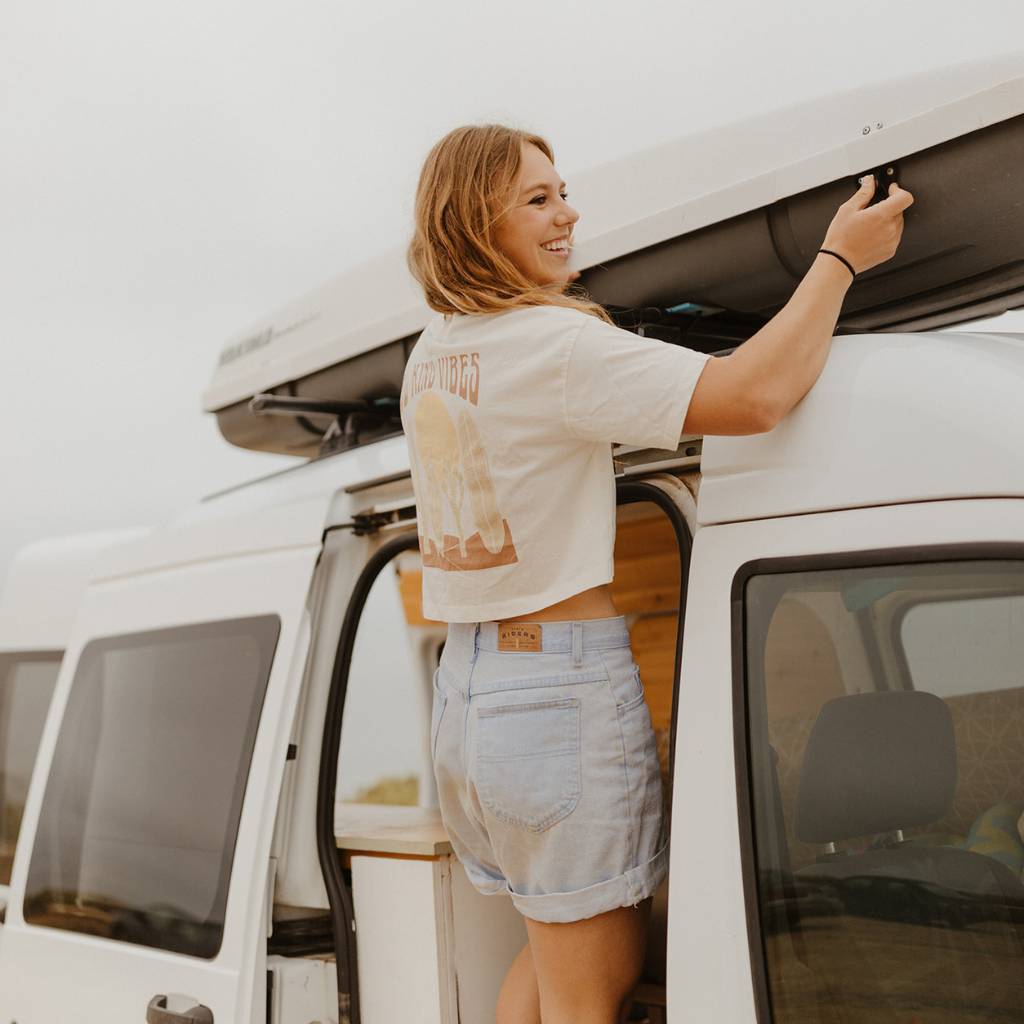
(842, 259)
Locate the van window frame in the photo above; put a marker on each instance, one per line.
(908, 555)
(339, 897)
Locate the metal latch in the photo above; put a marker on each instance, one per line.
(633, 461)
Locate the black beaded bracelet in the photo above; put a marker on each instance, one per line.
(842, 259)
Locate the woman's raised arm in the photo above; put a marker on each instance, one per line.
(753, 388)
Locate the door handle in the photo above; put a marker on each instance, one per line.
(157, 1013)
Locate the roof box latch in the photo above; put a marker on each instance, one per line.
(884, 176)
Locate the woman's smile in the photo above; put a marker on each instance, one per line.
(558, 247)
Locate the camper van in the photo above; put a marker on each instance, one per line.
(232, 815)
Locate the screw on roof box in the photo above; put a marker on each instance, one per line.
(342, 433)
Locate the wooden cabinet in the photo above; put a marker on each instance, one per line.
(432, 950)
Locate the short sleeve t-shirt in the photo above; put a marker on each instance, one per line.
(510, 419)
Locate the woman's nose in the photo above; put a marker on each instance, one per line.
(567, 215)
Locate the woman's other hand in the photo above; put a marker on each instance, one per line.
(868, 235)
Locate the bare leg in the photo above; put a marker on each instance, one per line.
(586, 969)
(519, 999)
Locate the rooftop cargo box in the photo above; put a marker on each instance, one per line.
(701, 241)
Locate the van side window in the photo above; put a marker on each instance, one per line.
(885, 715)
(138, 824)
(26, 686)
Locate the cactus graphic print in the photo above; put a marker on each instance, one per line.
(461, 527)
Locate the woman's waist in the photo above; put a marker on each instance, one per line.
(593, 603)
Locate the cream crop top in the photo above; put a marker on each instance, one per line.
(509, 418)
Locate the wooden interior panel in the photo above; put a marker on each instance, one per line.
(646, 562)
(646, 590)
(410, 586)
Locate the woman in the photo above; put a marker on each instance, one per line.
(543, 750)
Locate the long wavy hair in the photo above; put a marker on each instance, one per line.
(467, 185)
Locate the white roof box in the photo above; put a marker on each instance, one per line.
(704, 238)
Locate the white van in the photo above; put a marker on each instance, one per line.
(843, 751)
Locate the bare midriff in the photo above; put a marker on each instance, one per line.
(595, 603)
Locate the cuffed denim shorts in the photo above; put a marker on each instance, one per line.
(547, 771)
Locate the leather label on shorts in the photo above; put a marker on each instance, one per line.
(519, 636)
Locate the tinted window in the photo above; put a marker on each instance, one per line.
(138, 825)
(886, 727)
(26, 686)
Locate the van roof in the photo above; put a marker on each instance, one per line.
(44, 587)
(639, 201)
(894, 418)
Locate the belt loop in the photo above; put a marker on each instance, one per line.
(577, 644)
(476, 638)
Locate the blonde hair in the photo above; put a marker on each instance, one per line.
(468, 183)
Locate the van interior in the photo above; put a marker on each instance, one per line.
(647, 589)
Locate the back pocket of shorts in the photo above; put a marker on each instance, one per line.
(528, 761)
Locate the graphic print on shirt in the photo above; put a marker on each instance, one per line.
(460, 525)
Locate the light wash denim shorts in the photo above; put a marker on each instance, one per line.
(547, 771)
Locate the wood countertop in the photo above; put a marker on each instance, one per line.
(382, 828)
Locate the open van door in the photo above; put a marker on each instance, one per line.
(397, 894)
(140, 884)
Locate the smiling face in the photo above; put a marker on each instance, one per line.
(536, 234)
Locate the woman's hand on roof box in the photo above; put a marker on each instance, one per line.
(754, 388)
(868, 235)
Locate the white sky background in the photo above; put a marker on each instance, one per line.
(171, 172)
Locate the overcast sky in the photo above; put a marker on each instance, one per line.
(170, 172)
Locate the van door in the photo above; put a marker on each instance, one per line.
(139, 890)
(850, 769)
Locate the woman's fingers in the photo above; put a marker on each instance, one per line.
(863, 195)
(900, 199)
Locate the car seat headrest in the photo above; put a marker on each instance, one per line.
(876, 762)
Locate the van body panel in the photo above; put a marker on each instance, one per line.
(104, 979)
(287, 510)
(258, 531)
(310, 479)
(709, 977)
(886, 410)
(44, 586)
